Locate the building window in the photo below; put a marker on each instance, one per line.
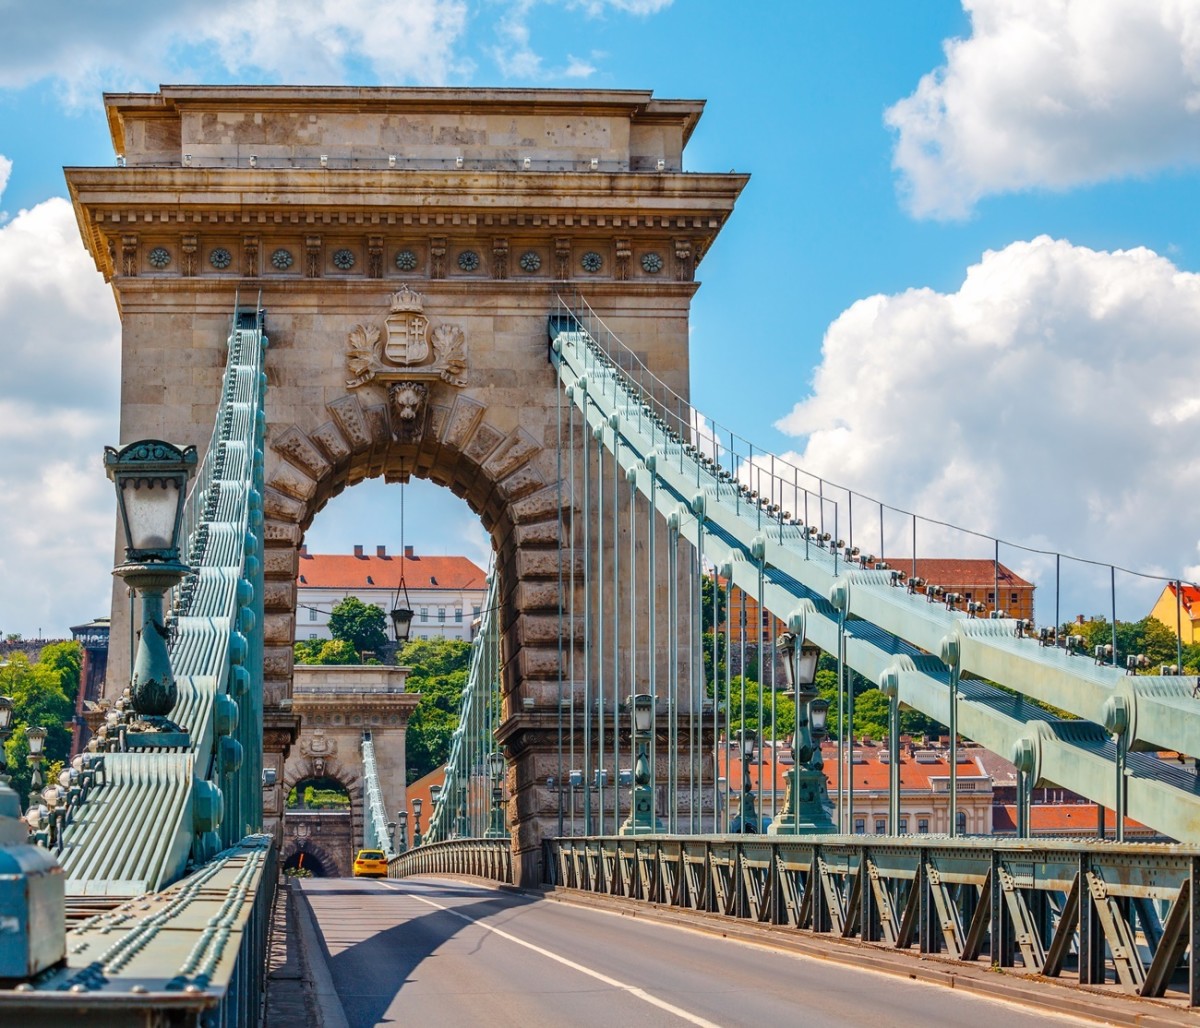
(312, 635)
(880, 826)
(961, 821)
(860, 826)
(475, 611)
(1014, 599)
(442, 615)
(312, 613)
(991, 597)
(903, 826)
(766, 619)
(424, 615)
(922, 826)
(458, 615)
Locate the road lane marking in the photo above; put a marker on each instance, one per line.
(632, 990)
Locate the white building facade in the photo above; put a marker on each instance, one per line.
(446, 593)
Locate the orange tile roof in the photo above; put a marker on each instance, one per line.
(345, 571)
(872, 775)
(960, 571)
(1064, 819)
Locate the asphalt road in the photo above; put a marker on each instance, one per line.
(446, 952)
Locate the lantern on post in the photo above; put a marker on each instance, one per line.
(36, 738)
(807, 809)
(641, 820)
(151, 479)
(6, 715)
(495, 763)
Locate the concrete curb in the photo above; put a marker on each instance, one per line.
(326, 1001)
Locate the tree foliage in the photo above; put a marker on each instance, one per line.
(38, 690)
(358, 623)
(439, 674)
(325, 651)
(1148, 636)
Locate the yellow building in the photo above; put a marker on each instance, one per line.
(1179, 610)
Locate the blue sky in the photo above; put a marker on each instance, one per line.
(963, 277)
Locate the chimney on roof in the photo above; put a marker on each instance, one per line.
(304, 549)
(358, 552)
(381, 551)
(408, 553)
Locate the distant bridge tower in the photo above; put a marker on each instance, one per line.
(409, 245)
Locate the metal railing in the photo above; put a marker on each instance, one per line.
(1100, 913)
(477, 858)
(198, 948)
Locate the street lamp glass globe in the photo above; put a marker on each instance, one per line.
(806, 665)
(819, 714)
(417, 804)
(749, 740)
(151, 478)
(6, 713)
(643, 712)
(496, 764)
(36, 738)
(402, 619)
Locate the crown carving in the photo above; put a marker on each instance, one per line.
(407, 300)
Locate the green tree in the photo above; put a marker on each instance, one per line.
(1148, 636)
(38, 701)
(439, 674)
(358, 623)
(67, 659)
(325, 651)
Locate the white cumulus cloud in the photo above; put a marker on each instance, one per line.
(137, 44)
(60, 361)
(1050, 401)
(1051, 93)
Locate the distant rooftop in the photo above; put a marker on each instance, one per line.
(382, 570)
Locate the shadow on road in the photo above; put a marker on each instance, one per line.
(369, 974)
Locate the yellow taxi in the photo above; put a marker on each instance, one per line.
(370, 864)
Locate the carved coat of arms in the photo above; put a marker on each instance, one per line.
(405, 356)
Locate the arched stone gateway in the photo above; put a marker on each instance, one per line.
(409, 246)
(304, 852)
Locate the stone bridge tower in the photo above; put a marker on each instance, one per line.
(409, 245)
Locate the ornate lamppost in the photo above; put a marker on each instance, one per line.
(36, 738)
(151, 477)
(495, 763)
(807, 809)
(641, 820)
(417, 804)
(6, 715)
(747, 819)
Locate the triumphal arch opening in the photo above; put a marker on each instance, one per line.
(408, 246)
